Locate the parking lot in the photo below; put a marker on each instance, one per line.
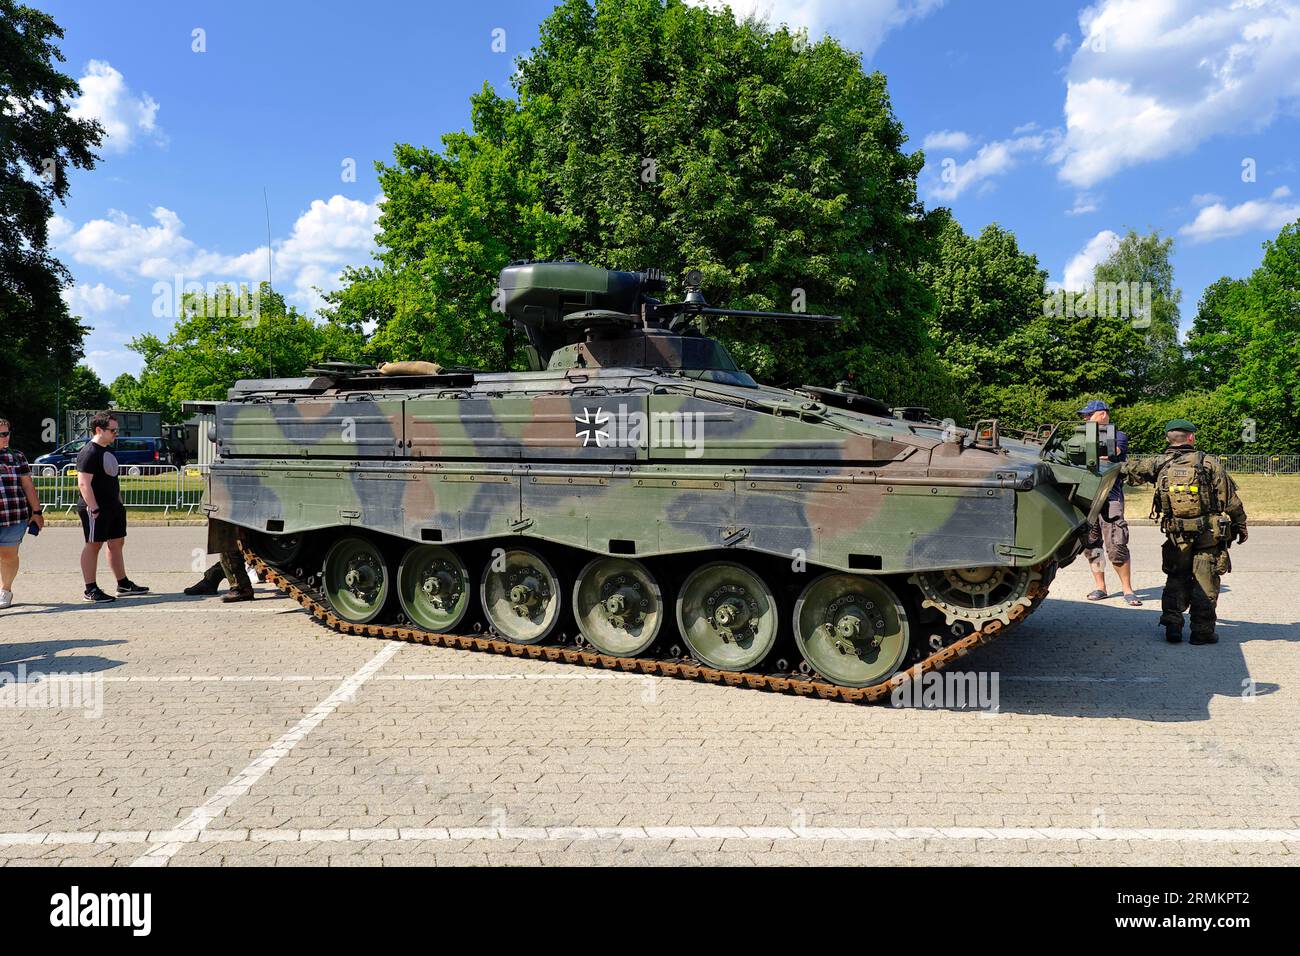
(203, 734)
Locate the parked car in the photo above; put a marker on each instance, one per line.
(134, 456)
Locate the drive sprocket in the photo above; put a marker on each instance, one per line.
(976, 595)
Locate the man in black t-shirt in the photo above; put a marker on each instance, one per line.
(103, 516)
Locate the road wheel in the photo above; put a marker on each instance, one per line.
(727, 616)
(434, 588)
(851, 628)
(521, 595)
(618, 606)
(355, 579)
(279, 550)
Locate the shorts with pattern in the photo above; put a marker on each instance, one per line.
(1110, 531)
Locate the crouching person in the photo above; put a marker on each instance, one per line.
(224, 539)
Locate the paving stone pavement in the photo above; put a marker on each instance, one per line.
(208, 734)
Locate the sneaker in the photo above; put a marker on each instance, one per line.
(96, 596)
(233, 597)
(126, 587)
(202, 589)
(6, 599)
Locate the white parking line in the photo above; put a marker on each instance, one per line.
(1078, 679)
(168, 842)
(200, 818)
(319, 678)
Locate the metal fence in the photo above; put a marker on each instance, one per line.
(162, 487)
(1262, 464)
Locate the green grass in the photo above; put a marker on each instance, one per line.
(147, 494)
(1271, 497)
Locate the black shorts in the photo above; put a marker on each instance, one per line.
(108, 525)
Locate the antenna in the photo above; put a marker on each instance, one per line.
(266, 203)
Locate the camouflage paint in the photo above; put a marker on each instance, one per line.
(777, 472)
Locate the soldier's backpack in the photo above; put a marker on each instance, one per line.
(1185, 489)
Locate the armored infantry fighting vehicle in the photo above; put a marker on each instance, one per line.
(638, 498)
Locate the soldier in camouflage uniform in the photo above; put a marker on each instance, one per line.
(1198, 509)
(224, 540)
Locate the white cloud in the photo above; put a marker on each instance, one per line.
(1061, 43)
(119, 245)
(1205, 199)
(1079, 270)
(329, 235)
(948, 180)
(950, 139)
(85, 300)
(106, 97)
(1083, 203)
(1156, 77)
(1219, 221)
(857, 23)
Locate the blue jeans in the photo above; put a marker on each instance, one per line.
(11, 535)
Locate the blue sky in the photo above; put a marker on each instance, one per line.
(1066, 123)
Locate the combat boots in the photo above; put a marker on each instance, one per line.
(1174, 634)
(1211, 638)
(236, 595)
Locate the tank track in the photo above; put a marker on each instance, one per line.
(679, 668)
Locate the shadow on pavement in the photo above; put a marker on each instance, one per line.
(44, 657)
(149, 600)
(1108, 660)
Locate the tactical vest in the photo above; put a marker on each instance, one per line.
(1184, 498)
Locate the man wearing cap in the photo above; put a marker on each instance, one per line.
(1197, 505)
(1108, 535)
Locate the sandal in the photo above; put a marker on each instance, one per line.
(1132, 600)
(1097, 595)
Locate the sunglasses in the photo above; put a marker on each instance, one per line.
(4, 434)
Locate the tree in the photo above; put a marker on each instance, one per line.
(39, 141)
(1264, 385)
(1217, 336)
(986, 291)
(215, 343)
(653, 133)
(83, 389)
(125, 390)
(1157, 369)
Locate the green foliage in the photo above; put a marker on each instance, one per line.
(1216, 337)
(39, 140)
(1217, 417)
(125, 390)
(1265, 380)
(1156, 370)
(1009, 352)
(214, 344)
(83, 389)
(650, 133)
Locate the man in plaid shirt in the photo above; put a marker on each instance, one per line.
(19, 508)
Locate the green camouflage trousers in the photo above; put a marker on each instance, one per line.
(1193, 581)
(232, 568)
